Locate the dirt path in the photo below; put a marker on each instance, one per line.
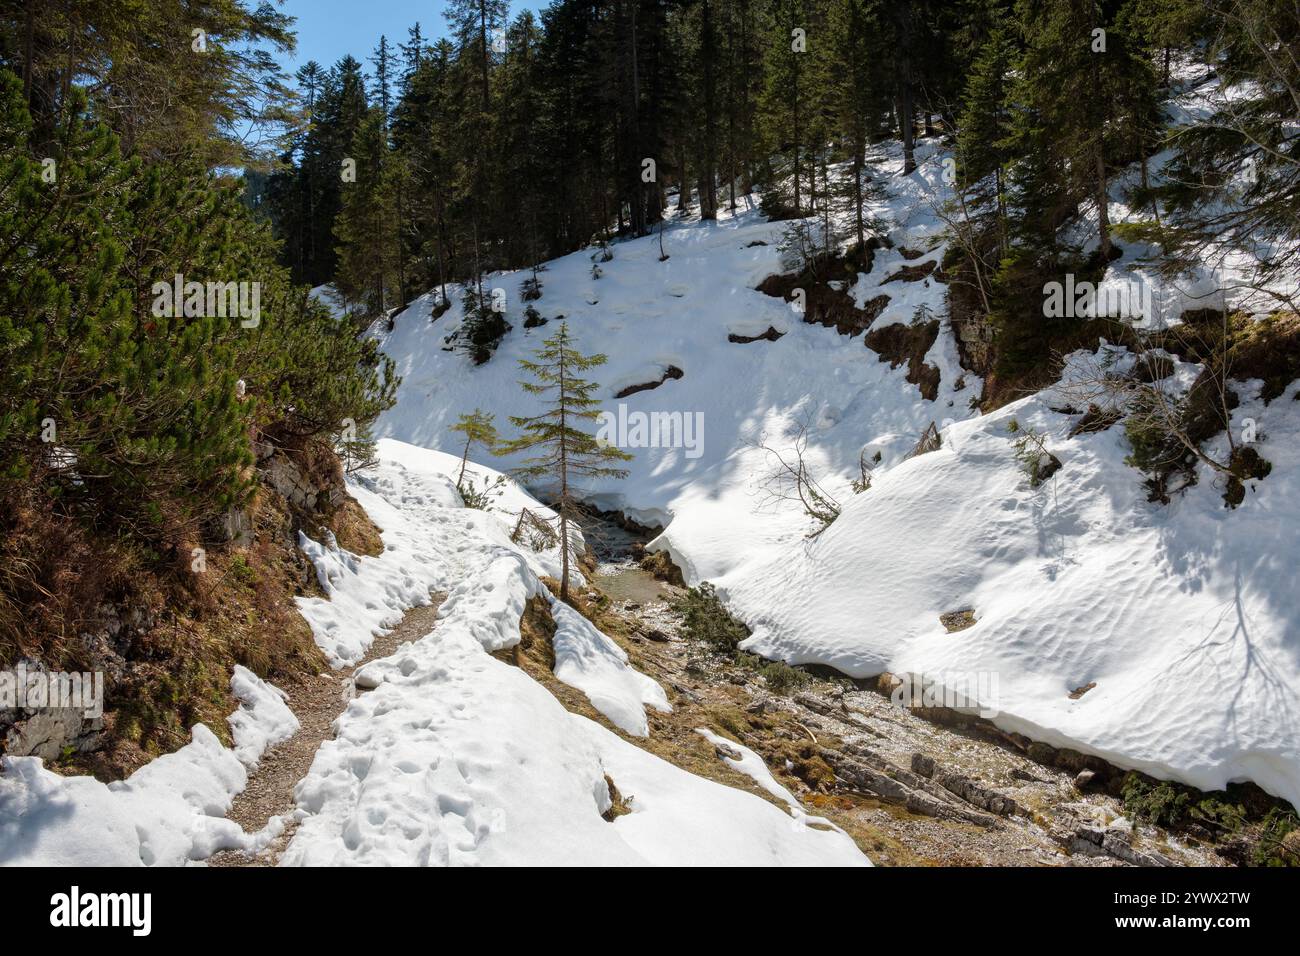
(316, 704)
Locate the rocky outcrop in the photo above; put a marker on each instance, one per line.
(283, 474)
(771, 335)
(972, 328)
(671, 372)
(1112, 841)
(899, 343)
(51, 733)
(913, 273)
(964, 787)
(821, 289)
(862, 769)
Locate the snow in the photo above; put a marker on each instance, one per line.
(262, 719)
(168, 813)
(648, 315)
(448, 756)
(679, 819)
(1180, 613)
(453, 757)
(590, 661)
(752, 766)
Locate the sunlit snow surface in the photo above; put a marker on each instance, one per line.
(1184, 615)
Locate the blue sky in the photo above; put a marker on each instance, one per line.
(327, 29)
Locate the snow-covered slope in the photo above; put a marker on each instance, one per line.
(1180, 614)
(647, 315)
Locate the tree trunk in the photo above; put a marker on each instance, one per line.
(564, 491)
(906, 130)
(1103, 208)
(482, 21)
(708, 175)
(857, 197)
(684, 191)
(794, 112)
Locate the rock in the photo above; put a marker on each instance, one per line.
(809, 702)
(1291, 846)
(284, 476)
(1083, 778)
(53, 732)
(964, 787)
(1091, 841)
(686, 692)
(49, 734)
(1043, 753)
(237, 528)
(727, 752)
(1084, 688)
(654, 634)
(863, 769)
(759, 707)
(887, 683)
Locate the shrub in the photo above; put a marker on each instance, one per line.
(1156, 450)
(1274, 848)
(1031, 451)
(707, 620)
(481, 498)
(781, 678)
(1161, 804)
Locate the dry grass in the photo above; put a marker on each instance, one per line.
(354, 530)
(165, 633)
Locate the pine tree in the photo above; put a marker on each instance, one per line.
(1079, 77)
(858, 93)
(475, 23)
(983, 132)
(785, 97)
(478, 429)
(381, 95)
(1235, 178)
(120, 403)
(367, 227)
(566, 452)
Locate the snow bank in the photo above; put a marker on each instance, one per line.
(168, 813)
(590, 661)
(262, 719)
(1181, 614)
(751, 765)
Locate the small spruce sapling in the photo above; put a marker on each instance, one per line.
(1031, 451)
(564, 451)
(478, 429)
